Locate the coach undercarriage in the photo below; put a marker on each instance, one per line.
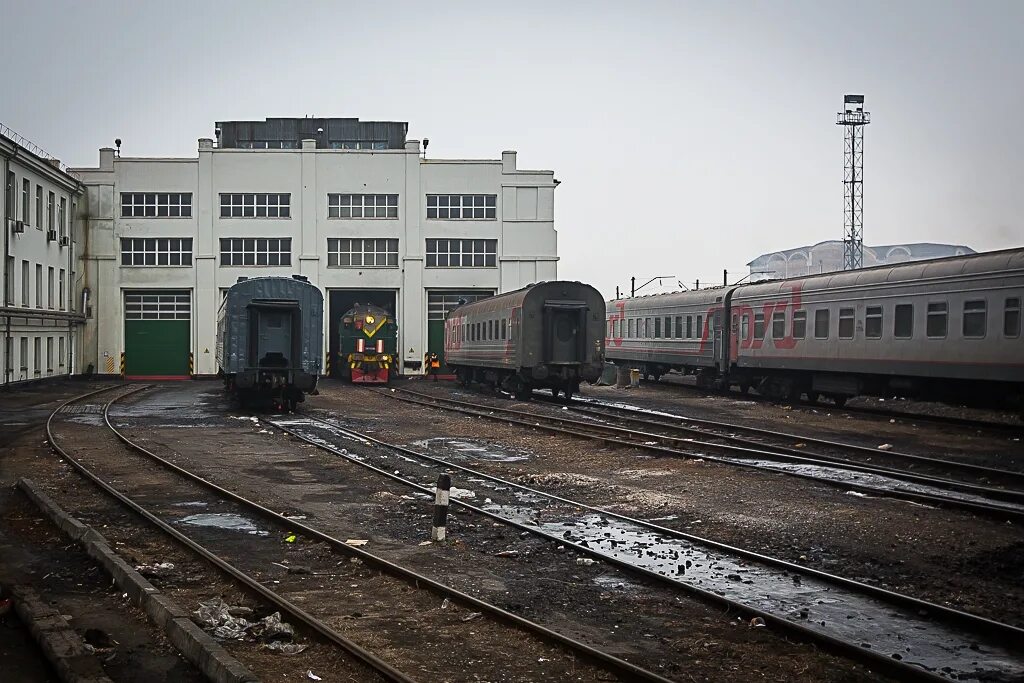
(522, 382)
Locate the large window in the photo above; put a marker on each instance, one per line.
(257, 205)
(903, 323)
(49, 287)
(457, 253)
(821, 323)
(60, 289)
(758, 326)
(873, 322)
(156, 251)
(62, 217)
(256, 251)
(346, 252)
(50, 201)
(462, 206)
(39, 206)
(1011, 317)
(156, 204)
(937, 314)
(974, 322)
(362, 206)
(26, 291)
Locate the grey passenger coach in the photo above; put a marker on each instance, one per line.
(270, 340)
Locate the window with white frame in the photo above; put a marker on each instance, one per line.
(458, 253)
(156, 204)
(462, 206)
(362, 205)
(50, 201)
(255, 205)
(369, 252)
(156, 251)
(26, 189)
(256, 251)
(62, 216)
(162, 305)
(359, 144)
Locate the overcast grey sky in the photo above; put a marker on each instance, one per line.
(689, 137)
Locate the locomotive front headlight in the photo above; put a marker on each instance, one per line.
(369, 319)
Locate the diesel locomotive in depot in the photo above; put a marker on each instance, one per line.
(367, 344)
(546, 335)
(944, 329)
(270, 340)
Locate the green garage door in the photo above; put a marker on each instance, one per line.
(157, 332)
(438, 306)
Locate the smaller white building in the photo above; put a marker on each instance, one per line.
(827, 257)
(40, 269)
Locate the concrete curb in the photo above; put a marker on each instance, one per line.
(61, 645)
(196, 645)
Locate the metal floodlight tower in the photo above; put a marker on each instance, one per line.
(854, 118)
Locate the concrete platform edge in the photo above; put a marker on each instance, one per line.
(196, 645)
(61, 645)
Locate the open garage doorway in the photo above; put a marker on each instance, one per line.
(342, 301)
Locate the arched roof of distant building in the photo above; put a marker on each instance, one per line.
(915, 250)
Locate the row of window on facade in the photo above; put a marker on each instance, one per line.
(278, 205)
(974, 323)
(53, 298)
(53, 215)
(342, 252)
(18, 369)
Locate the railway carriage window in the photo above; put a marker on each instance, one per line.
(700, 327)
(1011, 317)
(657, 328)
(903, 323)
(632, 328)
(689, 327)
(937, 314)
(873, 322)
(648, 328)
(847, 317)
(975, 318)
(759, 326)
(668, 327)
(504, 328)
(799, 324)
(778, 324)
(679, 327)
(821, 323)
(744, 325)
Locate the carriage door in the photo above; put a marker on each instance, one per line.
(718, 348)
(273, 336)
(565, 332)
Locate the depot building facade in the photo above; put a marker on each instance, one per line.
(351, 205)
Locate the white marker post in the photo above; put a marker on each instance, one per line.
(444, 485)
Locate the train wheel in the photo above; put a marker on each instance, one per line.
(840, 401)
(813, 396)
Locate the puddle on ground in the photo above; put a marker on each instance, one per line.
(466, 449)
(224, 520)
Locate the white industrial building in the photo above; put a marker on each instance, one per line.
(40, 269)
(353, 206)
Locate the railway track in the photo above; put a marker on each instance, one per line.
(405, 590)
(1003, 503)
(901, 635)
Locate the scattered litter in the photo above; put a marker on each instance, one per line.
(445, 603)
(456, 492)
(425, 542)
(215, 616)
(885, 447)
(263, 431)
(309, 674)
(800, 445)
(290, 538)
(585, 561)
(892, 422)
(857, 493)
(100, 640)
(356, 541)
(471, 616)
(285, 648)
(507, 553)
(271, 628)
(757, 622)
(157, 569)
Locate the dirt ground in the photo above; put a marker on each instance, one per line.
(948, 557)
